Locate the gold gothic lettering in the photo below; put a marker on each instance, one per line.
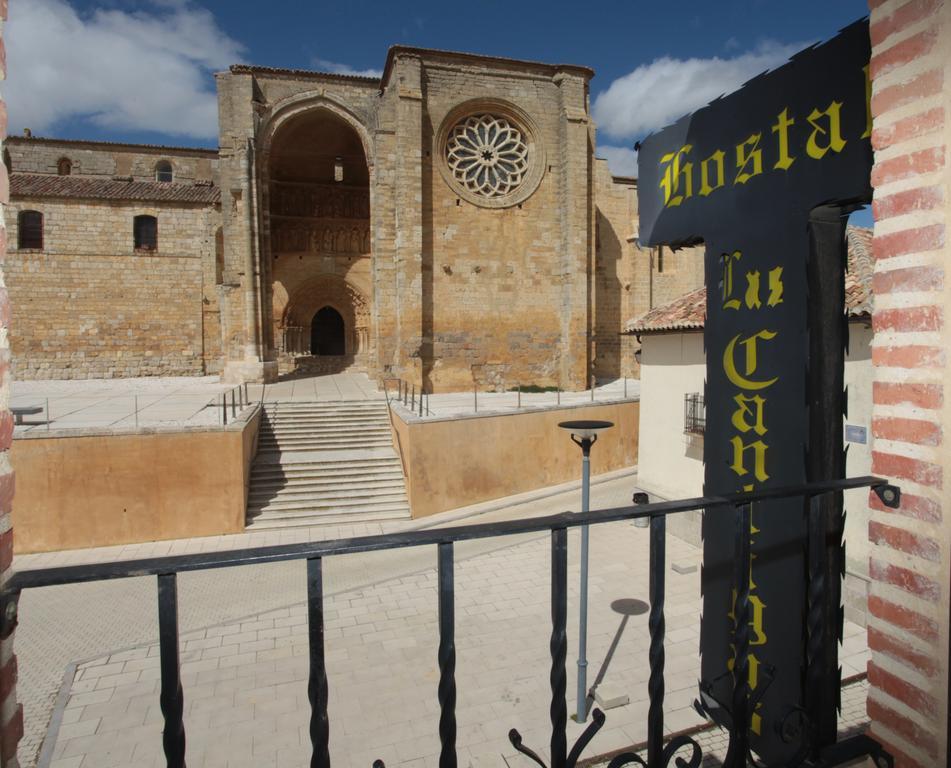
(783, 123)
(729, 364)
(728, 260)
(741, 414)
(676, 171)
(833, 130)
(753, 156)
(759, 448)
(705, 187)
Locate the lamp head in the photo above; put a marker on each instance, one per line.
(586, 430)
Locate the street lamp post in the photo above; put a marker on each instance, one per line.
(584, 434)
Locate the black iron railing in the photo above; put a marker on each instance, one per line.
(659, 754)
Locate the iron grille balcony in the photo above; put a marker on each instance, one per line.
(659, 754)
(695, 414)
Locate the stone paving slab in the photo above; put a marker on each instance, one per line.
(245, 676)
(454, 404)
(119, 403)
(210, 597)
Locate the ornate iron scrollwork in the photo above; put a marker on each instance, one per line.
(669, 753)
(597, 720)
(626, 758)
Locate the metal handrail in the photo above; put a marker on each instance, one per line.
(239, 399)
(172, 698)
(407, 393)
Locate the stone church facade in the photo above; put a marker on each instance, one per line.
(448, 224)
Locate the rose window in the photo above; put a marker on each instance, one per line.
(487, 155)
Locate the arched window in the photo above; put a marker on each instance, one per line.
(29, 229)
(163, 171)
(64, 167)
(145, 233)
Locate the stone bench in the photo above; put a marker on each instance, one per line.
(27, 410)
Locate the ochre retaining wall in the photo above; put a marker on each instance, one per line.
(452, 463)
(95, 490)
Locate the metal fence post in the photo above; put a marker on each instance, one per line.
(224, 408)
(625, 387)
(475, 398)
(519, 386)
(420, 400)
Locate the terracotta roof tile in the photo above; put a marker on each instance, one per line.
(107, 188)
(689, 312)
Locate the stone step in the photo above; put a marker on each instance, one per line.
(277, 522)
(354, 437)
(331, 471)
(293, 484)
(326, 423)
(357, 487)
(348, 407)
(326, 429)
(318, 484)
(305, 505)
(302, 444)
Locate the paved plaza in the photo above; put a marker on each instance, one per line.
(89, 659)
(174, 402)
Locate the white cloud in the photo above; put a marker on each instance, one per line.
(656, 94)
(621, 160)
(325, 65)
(143, 70)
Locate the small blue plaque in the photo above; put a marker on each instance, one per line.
(856, 434)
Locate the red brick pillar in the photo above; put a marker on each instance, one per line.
(11, 713)
(910, 547)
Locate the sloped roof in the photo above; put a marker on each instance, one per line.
(95, 144)
(108, 188)
(689, 312)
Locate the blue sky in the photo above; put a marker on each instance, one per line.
(142, 71)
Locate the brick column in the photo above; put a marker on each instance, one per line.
(910, 548)
(11, 713)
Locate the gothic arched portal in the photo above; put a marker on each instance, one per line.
(327, 335)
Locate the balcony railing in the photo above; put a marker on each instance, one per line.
(659, 754)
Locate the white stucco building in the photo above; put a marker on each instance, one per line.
(672, 359)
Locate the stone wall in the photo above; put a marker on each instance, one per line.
(37, 155)
(88, 305)
(616, 269)
(497, 282)
(910, 546)
(460, 291)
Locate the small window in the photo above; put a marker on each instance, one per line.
(7, 161)
(30, 229)
(163, 171)
(145, 233)
(695, 414)
(64, 167)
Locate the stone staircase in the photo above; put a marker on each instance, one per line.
(325, 464)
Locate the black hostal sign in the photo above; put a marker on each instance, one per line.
(762, 177)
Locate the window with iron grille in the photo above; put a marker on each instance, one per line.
(145, 233)
(30, 229)
(695, 414)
